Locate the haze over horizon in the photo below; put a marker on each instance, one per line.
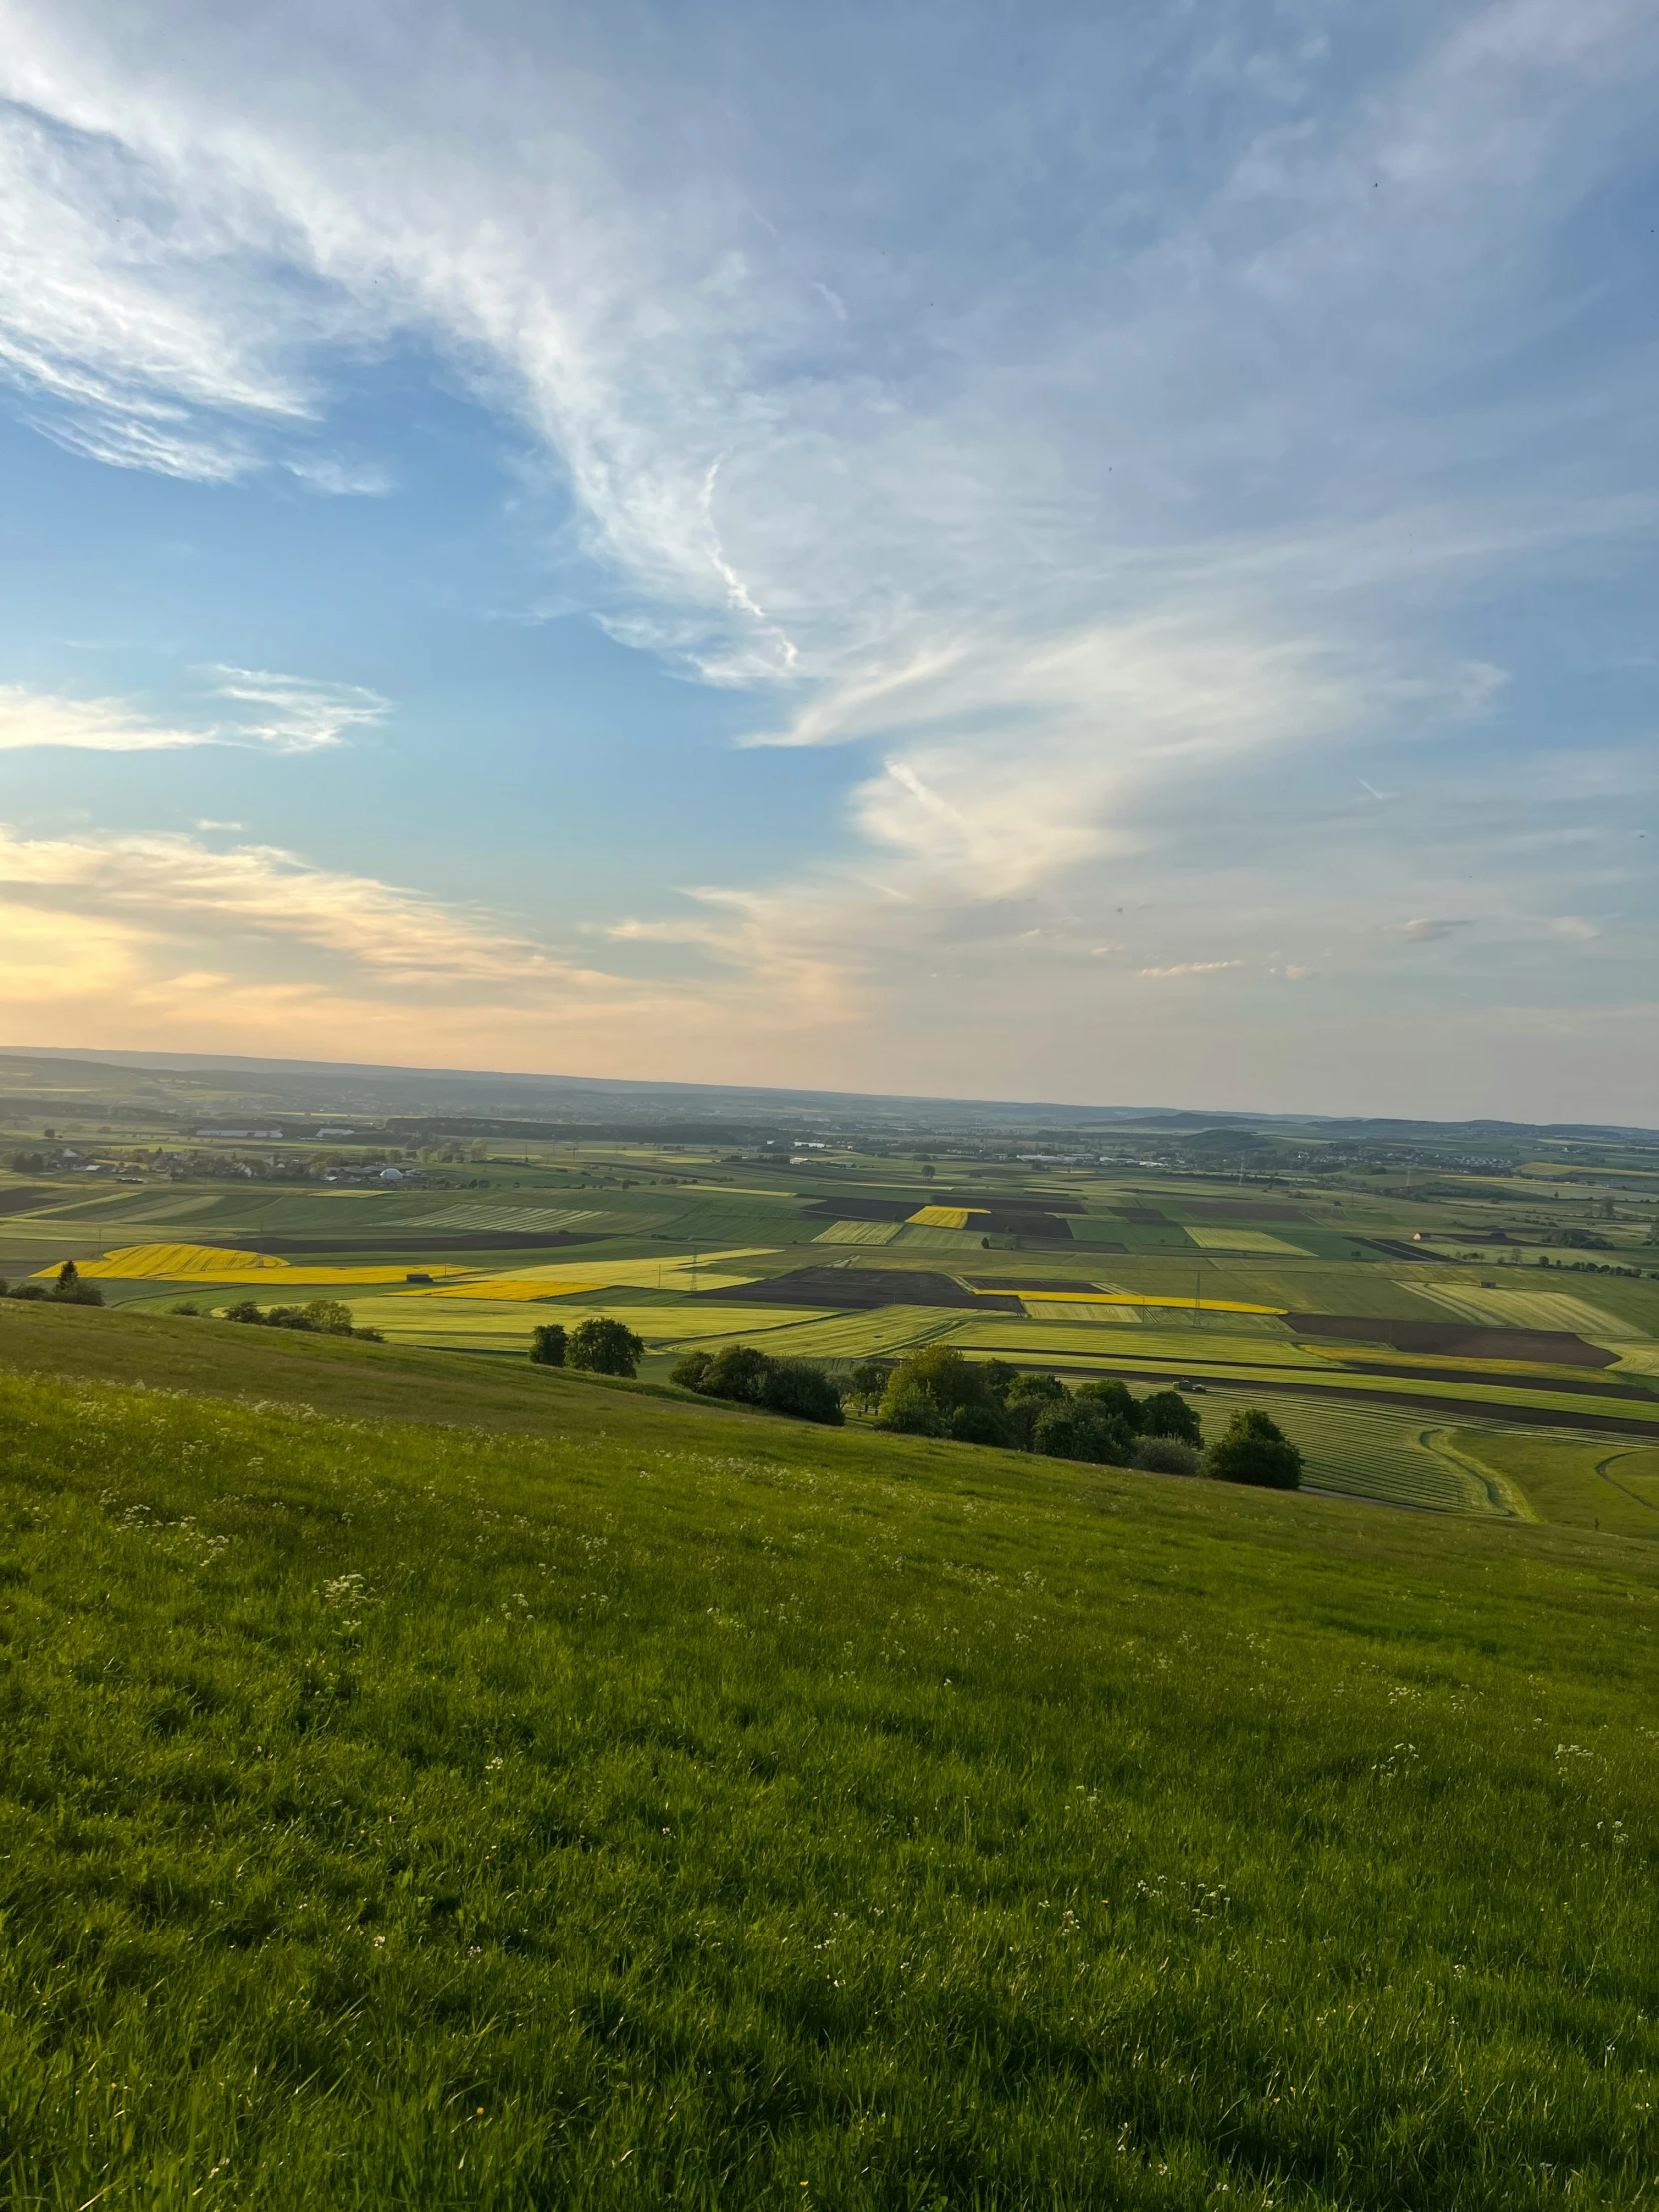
(1085, 556)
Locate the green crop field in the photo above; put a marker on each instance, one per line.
(1573, 1482)
(1374, 1452)
(665, 1805)
(885, 1333)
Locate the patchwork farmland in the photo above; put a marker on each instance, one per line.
(1335, 1303)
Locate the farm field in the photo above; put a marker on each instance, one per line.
(566, 1795)
(1572, 1483)
(1329, 1293)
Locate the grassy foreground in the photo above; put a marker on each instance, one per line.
(682, 1808)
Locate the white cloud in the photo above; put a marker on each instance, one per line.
(90, 725)
(293, 714)
(1425, 931)
(1191, 967)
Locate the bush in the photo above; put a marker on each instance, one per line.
(737, 1371)
(602, 1345)
(981, 1424)
(803, 1391)
(743, 1377)
(1069, 1429)
(323, 1317)
(1166, 1456)
(69, 1290)
(30, 1290)
(548, 1343)
(1254, 1449)
(184, 1307)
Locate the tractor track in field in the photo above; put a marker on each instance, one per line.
(1602, 1466)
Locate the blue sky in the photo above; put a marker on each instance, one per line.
(1091, 553)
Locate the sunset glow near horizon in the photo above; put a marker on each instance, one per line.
(1100, 554)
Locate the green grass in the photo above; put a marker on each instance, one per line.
(678, 1806)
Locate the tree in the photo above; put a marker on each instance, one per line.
(329, 1316)
(979, 1425)
(1167, 1414)
(1254, 1449)
(687, 1374)
(1000, 1377)
(867, 1383)
(736, 1371)
(803, 1391)
(548, 1343)
(1113, 1398)
(1045, 1389)
(71, 1290)
(602, 1345)
(929, 1387)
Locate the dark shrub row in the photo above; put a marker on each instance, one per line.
(751, 1377)
(323, 1317)
(68, 1290)
(938, 1392)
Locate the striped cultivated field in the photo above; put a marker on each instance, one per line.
(883, 1332)
(528, 1219)
(1371, 1451)
(1531, 1310)
(859, 1233)
(1241, 1240)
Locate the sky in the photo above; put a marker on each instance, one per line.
(1087, 552)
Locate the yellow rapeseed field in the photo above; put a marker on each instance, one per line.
(184, 1262)
(944, 1217)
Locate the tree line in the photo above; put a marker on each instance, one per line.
(938, 1392)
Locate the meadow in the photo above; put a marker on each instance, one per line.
(569, 1793)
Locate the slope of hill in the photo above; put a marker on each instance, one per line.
(666, 1805)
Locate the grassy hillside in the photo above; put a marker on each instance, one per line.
(668, 1805)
